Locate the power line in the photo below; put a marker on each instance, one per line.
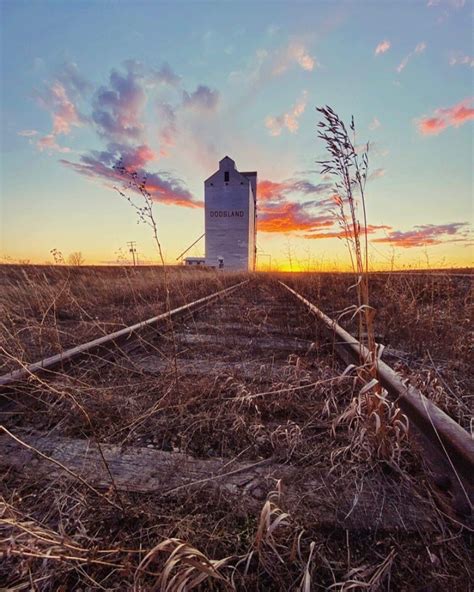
(184, 252)
(132, 247)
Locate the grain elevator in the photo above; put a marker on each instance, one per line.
(230, 199)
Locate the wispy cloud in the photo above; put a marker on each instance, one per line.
(426, 235)
(451, 3)
(420, 48)
(168, 127)
(78, 86)
(27, 133)
(382, 47)
(61, 97)
(377, 174)
(289, 120)
(374, 124)
(371, 229)
(49, 144)
(268, 64)
(165, 75)
(272, 30)
(446, 117)
(203, 98)
(295, 52)
(279, 190)
(459, 58)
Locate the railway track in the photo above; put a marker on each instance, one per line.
(229, 394)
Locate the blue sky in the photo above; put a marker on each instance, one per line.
(174, 86)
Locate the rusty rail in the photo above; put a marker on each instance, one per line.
(450, 439)
(52, 362)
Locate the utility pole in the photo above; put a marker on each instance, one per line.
(133, 249)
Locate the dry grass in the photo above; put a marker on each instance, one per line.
(46, 309)
(423, 320)
(310, 533)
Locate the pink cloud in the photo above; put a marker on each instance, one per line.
(132, 158)
(295, 52)
(65, 113)
(48, 143)
(443, 118)
(275, 125)
(301, 56)
(382, 47)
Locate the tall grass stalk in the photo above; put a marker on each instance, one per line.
(146, 215)
(348, 165)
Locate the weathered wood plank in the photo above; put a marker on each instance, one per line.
(155, 364)
(272, 343)
(323, 500)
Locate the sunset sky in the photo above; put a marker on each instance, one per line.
(172, 87)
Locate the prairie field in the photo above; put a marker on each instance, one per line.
(217, 451)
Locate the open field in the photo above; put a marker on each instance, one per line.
(46, 309)
(215, 447)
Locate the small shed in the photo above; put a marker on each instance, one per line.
(195, 261)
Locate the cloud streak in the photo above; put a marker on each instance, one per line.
(28, 133)
(419, 49)
(280, 190)
(269, 64)
(163, 186)
(426, 235)
(445, 117)
(371, 229)
(462, 59)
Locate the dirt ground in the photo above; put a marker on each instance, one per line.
(253, 476)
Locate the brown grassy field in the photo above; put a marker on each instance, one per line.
(342, 515)
(46, 309)
(425, 321)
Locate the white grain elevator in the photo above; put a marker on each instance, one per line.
(230, 199)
